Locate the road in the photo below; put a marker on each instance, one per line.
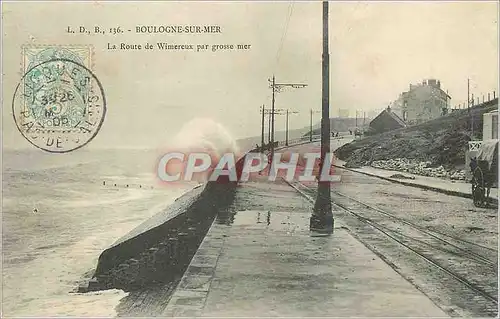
(442, 244)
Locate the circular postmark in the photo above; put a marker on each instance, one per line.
(59, 105)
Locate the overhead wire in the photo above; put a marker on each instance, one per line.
(285, 31)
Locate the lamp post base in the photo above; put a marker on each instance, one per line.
(322, 223)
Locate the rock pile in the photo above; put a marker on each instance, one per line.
(419, 168)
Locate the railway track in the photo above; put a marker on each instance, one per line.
(480, 253)
(466, 270)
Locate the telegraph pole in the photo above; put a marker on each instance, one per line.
(468, 95)
(469, 110)
(472, 116)
(277, 87)
(262, 128)
(272, 121)
(268, 112)
(286, 133)
(322, 217)
(311, 127)
(287, 125)
(269, 131)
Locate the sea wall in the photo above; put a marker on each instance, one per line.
(160, 249)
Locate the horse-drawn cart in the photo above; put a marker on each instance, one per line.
(484, 168)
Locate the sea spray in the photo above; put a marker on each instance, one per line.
(198, 135)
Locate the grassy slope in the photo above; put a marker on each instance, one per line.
(442, 141)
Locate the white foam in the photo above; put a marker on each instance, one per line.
(204, 133)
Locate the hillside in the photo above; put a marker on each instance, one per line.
(341, 125)
(440, 142)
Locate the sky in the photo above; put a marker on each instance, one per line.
(376, 50)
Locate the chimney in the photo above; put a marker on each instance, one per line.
(434, 83)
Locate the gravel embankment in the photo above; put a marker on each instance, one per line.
(434, 148)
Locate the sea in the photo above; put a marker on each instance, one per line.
(59, 212)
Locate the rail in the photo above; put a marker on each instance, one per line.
(468, 267)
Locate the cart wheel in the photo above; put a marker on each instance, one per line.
(478, 188)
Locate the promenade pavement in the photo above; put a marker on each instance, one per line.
(457, 188)
(260, 260)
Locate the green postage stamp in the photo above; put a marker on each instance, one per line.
(59, 105)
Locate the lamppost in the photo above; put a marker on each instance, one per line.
(322, 217)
